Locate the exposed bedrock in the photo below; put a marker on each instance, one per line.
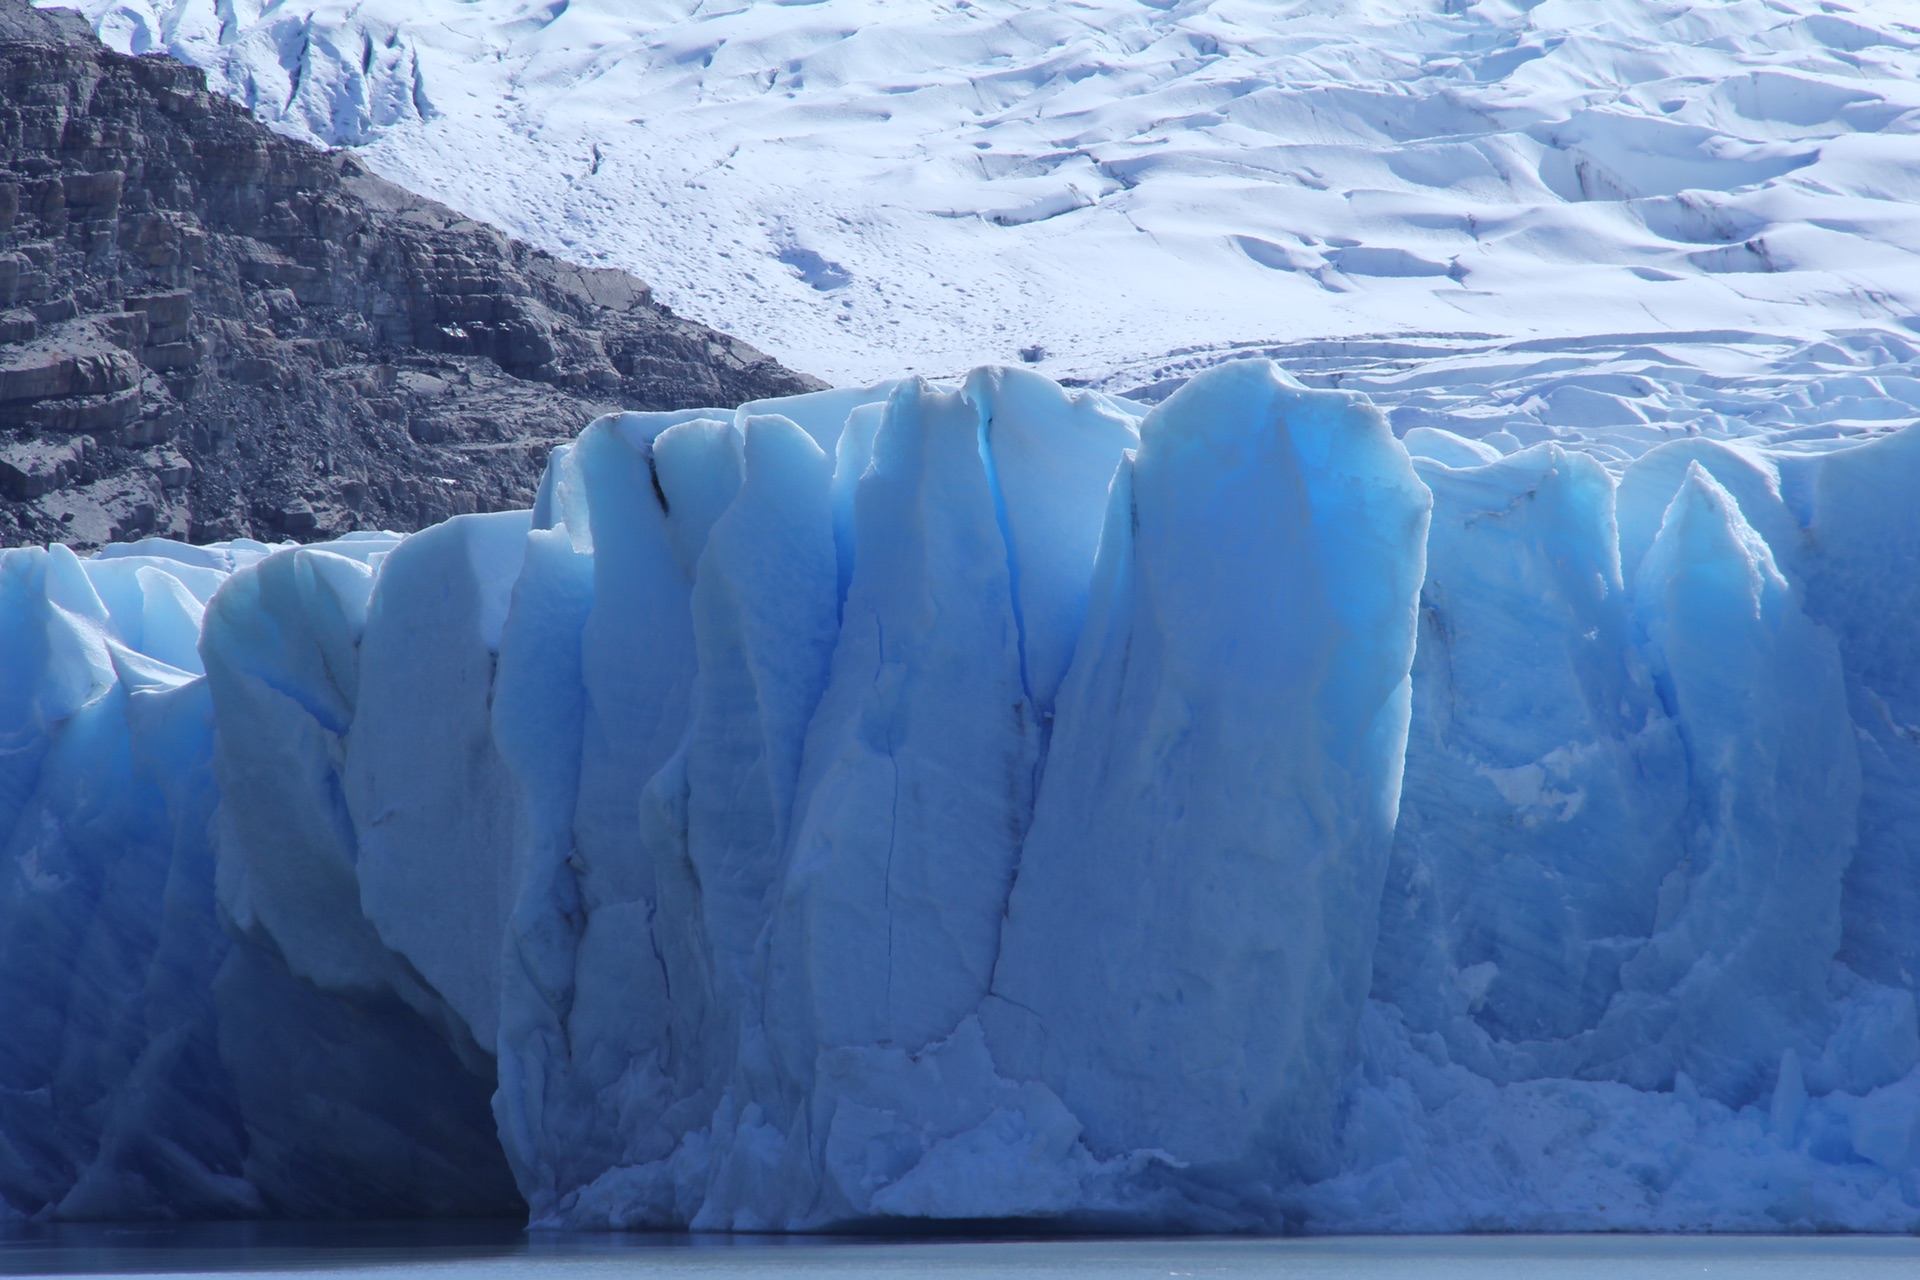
(210, 331)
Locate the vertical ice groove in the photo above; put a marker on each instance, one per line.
(764, 627)
(592, 1059)
(853, 451)
(913, 791)
(992, 473)
(1544, 779)
(538, 709)
(714, 822)
(1216, 808)
(1050, 456)
(1773, 779)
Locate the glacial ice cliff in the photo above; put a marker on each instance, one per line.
(990, 800)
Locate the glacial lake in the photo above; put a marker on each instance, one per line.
(490, 1252)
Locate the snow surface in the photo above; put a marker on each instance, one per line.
(990, 799)
(1116, 189)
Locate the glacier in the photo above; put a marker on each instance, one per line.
(988, 799)
(1107, 189)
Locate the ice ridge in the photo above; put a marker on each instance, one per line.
(989, 800)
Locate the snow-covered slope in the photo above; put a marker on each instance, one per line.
(983, 800)
(861, 186)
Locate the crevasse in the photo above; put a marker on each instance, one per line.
(989, 800)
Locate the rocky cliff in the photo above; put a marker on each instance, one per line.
(209, 331)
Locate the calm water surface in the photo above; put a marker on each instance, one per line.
(490, 1252)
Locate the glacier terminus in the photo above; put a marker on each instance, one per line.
(991, 800)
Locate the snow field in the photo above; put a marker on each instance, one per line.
(865, 186)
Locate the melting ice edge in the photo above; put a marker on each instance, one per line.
(989, 801)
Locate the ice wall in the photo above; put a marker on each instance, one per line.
(198, 1018)
(1192, 933)
(988, 800)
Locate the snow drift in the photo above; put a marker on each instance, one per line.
(989, 800)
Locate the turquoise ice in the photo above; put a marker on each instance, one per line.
(990, 799)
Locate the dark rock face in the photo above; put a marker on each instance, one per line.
(210, 331)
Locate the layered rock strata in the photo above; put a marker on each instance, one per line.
(210, 331)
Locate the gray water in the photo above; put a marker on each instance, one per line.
(489, 1252)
